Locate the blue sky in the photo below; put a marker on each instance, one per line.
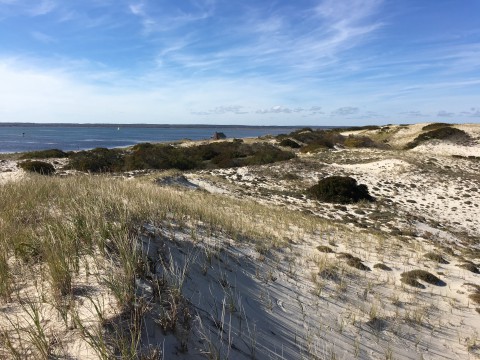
(263, 62)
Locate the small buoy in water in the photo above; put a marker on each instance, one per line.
(23, 134)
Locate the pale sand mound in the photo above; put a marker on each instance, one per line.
(390, 166)
(447, 148)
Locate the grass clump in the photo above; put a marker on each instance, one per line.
(357, 264)
(353, 261)
(44, 154)
(436, 257)
(475, 297)
(36, 166)
(411, 278)
(324, 249)
(470, 267)
(339, 189)
(382, 267)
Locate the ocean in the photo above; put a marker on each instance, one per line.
(29, 137)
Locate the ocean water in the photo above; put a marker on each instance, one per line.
(19, 138)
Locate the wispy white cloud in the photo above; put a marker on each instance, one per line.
(42, 37)
(413, 113)
(345, 111)
(222, 110)
(444, 113)
(473, 112)
(156, 19)
(43, 7)
(278, 109)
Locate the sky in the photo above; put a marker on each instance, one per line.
(251, 62)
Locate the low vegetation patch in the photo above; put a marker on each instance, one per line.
(36, 166)
(436, 257)
(165, 156)
(324, 249)
(97, 160)
(339, 189)
(435, 126)
(330, 272)
(443, 133)
(315, 140)
(382, 267)
(357, 264)
(359, 128)
(359, 142)
(475, 297)
(411, 278)
(290, 143)
(470, 267)
(44, 154)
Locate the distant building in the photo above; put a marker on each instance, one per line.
(219, 136)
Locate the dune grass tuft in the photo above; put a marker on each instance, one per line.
(411, 278)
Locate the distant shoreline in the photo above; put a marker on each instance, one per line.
(166, 126)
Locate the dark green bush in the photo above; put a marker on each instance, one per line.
(359, 142)
(443, 133)
(44, 154)
(311, 148)
(357, 128)
(435, 126)
(326, 139)
(163, 156)
(39, 167)
(290, 143)
(97, 160)
(266, 154)
(339, 189)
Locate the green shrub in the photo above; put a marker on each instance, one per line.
(339, 189)
(290, 143)
(164, 156)
(443, 133)
(97, 160)
(357, 128)
(435, 126)
(44, 154)
(36, 166)
(359, 142)
(323, 138)
(161, 156)
(266, 154)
